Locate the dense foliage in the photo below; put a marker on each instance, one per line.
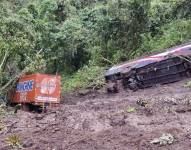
(71, 36)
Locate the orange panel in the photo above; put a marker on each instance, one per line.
(38, 89)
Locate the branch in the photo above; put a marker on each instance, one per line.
(4, 60)
(12, 81)
(16, 77)
(107, 60)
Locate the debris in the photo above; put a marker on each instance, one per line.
(27, 144)
(118, 120)
(183, 109)
(142, 102)
(165, 139)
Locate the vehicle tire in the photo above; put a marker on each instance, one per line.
(112, 88)
(133, 86)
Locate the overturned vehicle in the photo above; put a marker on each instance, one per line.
(170, 66)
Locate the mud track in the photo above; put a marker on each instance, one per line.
(97, 121)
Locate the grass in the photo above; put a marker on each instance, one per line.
(13, 140)
(86, 77)
(171, 34)
(2, 126)
(4, 111)
(131, 109)
(127, 110)
(188, 84)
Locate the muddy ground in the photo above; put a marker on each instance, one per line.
(98, 121)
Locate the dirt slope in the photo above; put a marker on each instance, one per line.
(97, 121)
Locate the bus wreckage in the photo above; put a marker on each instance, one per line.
(170, 66)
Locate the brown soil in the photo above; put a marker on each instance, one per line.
(97, 121)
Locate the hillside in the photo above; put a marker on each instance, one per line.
(105, 122)
(79, 39)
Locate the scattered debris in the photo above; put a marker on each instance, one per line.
(165, 139)
(142, 102)
(183, 109)
(27, 144)
(106, 122)
(117, 120)
(147, 106)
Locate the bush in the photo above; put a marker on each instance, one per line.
(171, 34)
(89, 76)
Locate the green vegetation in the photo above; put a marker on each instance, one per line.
(131, 109)
(2, 126)
(88, 76)
(79, 39)
(4, 112)
(187, 84)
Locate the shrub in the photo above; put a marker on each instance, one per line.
(88, 76)
(171, 34)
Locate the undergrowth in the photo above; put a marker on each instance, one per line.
(188, 84)
(13, 140)
(169, 35)
(4, 111)
(89, 76)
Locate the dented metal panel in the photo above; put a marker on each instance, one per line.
(37, 89)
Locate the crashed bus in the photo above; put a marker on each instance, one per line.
(170, 66)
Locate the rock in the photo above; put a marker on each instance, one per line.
(183, 109)
(165, 139)
(118, 120)
(39, 117)
(112, 87)
(83, 92)
(55, 130)
(27, 144)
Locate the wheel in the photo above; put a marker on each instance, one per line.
(188, 73)
(186, 65)
(112, 87)
(133, 86)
